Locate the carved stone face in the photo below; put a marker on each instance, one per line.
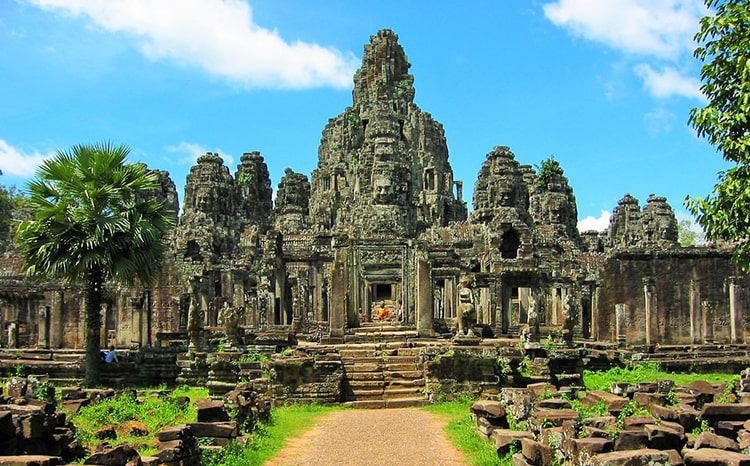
(384, 191)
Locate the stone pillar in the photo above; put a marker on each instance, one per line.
(650, 309)
(708, 309)
(459, 190)
(620, 324)
(43, 322)
(595, 313)
(55, 319)
(194, 318)
(339, 293)
(695, 313)
(735, 314)
(425, 308)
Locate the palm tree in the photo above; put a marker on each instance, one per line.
(95, 218)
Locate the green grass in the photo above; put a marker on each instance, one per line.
(646, 372)
(153, 412)
(267, 440)
(461, 432)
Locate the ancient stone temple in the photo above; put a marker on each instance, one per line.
(379, 231)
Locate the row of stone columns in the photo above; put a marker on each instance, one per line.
(702, 315)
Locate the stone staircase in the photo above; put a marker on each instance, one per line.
(382, 376)
(383, 331)
(699, 358)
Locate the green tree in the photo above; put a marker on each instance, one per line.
(687, 236)
(95, 218)
(11, 209)
(723, 44)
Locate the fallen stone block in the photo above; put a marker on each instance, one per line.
(711, 440)
(643, 457)
(714, 457)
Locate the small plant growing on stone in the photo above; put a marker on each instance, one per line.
(703, 427)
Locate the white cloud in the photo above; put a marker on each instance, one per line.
(657, 28)
(218, 36)
(659, 120)
(598, 224)
(668, 82)
(17, 163)
(191, 151)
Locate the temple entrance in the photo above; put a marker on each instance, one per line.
(384, 304)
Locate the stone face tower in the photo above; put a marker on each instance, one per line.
(384, 161)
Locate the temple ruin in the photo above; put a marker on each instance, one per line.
(380, 232)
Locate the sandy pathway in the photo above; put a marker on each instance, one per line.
(407, 436)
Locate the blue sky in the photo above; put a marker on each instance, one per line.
(604, 86)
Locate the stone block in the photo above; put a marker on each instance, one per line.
(711, 440)
(214, 429)
(552, 417)
(661, 437)
(613, 402)
(587, 446)
(642, 457)
(211, 411)
(32, 426)
(631, 439)
(504, 438)
(685, 415)
(714, 412)
(169, 434)
(648, 399)
(537, 454)
(115, 456)
(30, 460)
(729, 428)
(492, 410)
(714, 457)
(600, 422)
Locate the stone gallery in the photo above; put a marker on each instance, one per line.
(380, 232)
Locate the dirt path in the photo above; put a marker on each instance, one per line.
(381, 437)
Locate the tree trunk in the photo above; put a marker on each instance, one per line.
(94, 289)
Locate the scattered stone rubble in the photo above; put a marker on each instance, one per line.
(698, 424)
(35, 432)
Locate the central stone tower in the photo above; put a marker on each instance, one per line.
(383, 166)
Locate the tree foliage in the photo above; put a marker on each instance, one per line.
(95, 218)
(723, 44)
(11, 210)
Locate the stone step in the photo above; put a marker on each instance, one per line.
(366, 384)
(402, 360)
(399, 367)
(358, 353)
(361, 360)
(406, 402)
(405, 383)
(391, 393)
(365, 404)
(376, 375)
(403, 375)
(363, 368)
(367, 394)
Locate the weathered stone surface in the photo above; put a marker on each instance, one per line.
(613, 402)
(714, 412)
(504, 438)
(121, 455)
(714, 457)
(536, 453)
(211, 411)
(711, 440)
(30, 460)
(642, 457)
(633, 439)
(588, 446)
